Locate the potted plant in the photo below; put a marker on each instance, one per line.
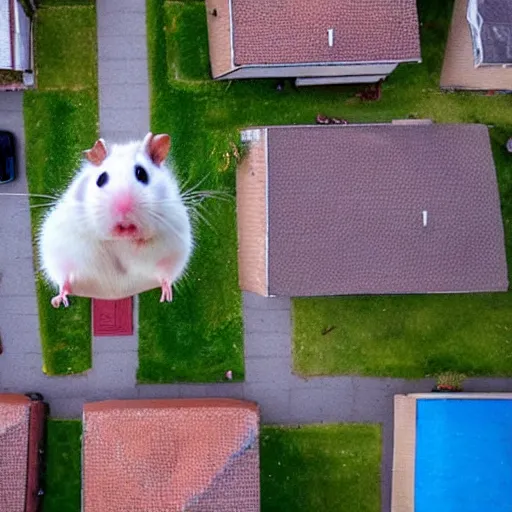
(449, 382)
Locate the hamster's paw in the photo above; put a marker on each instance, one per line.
(60, 299)
(166, 291)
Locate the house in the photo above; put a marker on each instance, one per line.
(478, 52)
(16, 44)
(392, 208)
(171, 454)
(21, 438)
(322, 42)
(452, 452)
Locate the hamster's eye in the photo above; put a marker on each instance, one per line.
(141, 174)
(102, 179)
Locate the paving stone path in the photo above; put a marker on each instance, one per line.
(283, 397)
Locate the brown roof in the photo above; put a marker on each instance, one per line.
(294, 31)
(458, 70)
(14, 435)
(345, 210)
(172, 455)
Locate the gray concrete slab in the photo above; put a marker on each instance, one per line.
(159, 391)
(120, 23)
(124, 71)
(66, 408)
(330, 404)
(121, 47)
(274, 402)
(121, 136)
(112, 6)
(268, 370)
(276, 321)
(113, 371)
(120, 97)
(266, 344)
(117, 118)
(255, 301)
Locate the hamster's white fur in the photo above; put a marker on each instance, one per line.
(82, 254)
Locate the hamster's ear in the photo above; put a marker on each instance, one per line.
(157, 146)
(97, 153)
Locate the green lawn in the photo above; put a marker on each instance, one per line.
(320, 468)
(66, 48)
(61, 120)
(198, 337)
(203, 116)
(63, 463)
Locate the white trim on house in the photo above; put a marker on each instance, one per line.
(333, 63)
(16, 37)
(475, 22)
(250, 135)
(231, 36)
(311, 71)
(267, 170)
(338, 80)
(5, 36)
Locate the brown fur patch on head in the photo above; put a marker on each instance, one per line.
(97, 153)
(157, 147)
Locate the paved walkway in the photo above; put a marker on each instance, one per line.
(283, 397)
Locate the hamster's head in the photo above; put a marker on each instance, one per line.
(128, 192)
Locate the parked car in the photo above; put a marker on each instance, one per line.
(7, 157)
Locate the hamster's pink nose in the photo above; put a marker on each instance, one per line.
(122, 204)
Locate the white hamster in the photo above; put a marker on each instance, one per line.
(121, 227)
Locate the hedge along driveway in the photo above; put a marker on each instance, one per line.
(61, 120)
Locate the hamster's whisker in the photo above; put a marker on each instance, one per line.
(196, 210)
(195, 187)
(44, 196)
(157, 216)
(213, 194)
(42, 205)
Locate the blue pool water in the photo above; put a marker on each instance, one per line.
(463, 456)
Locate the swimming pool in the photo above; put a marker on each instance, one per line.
(463, 455)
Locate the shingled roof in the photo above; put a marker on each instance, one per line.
(296, 31)
(369, 209)
(172, 455)
(14, 439)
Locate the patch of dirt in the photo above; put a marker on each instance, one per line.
(8, 77)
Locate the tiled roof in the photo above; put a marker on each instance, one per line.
(14, 434)
(172, 455)
(296, 31)
(382, 209)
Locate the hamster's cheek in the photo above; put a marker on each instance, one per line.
(81, 188)
(160, 191)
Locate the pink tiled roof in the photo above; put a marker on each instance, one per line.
(172, 455)
(14, 431)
